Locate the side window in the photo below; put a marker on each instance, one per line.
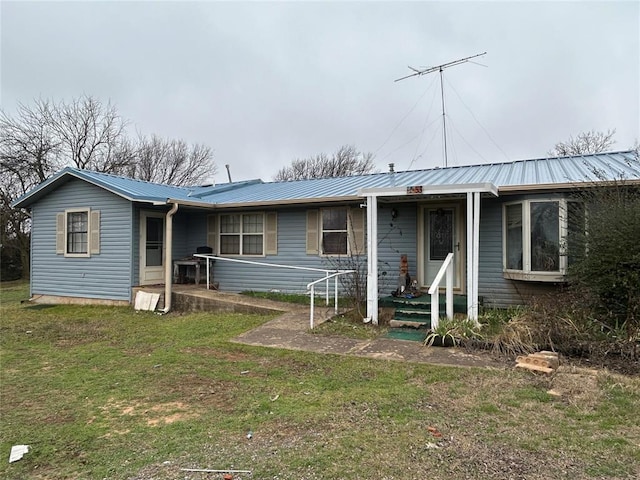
(334, 231)
(545, 236)
(540, 237)
(78, 232)
(513, 237)
(242, 234)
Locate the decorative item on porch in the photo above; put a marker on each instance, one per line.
(406, 287)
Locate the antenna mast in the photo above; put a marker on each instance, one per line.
(440, 68)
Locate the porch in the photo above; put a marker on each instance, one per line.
(411, 318)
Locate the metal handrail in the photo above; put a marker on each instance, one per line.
(446, 268)
(328, 275)
(311, 288)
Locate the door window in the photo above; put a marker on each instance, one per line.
(154, 241)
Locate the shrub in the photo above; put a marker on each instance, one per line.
(605, 267)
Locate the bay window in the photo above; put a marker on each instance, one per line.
(539, 237)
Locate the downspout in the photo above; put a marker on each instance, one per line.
(168, 263)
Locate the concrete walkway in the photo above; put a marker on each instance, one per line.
(291, 331)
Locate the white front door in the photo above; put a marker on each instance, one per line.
(441, 232)
(151, 248)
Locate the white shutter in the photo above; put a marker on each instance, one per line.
(94, 233)
(60, 228)
(313, 234)
(212, 233)
(271, 233)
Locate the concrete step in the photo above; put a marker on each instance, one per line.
(410, 323)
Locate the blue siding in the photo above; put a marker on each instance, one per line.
(396, 237)
(197, 232)
(238, 277)
(103, 276)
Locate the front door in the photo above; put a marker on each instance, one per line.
(151, 248)
(441, 234)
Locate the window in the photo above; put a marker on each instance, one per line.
(242, 234)
(78, 232)
(538, 238)
(154, 241)
(334, 231)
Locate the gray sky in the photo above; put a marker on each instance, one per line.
(265, 83)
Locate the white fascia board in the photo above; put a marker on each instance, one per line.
(187, 203)
(430, 190)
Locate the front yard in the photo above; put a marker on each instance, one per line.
(102, 392)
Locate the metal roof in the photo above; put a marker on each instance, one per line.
(521, 175)
(129, 188)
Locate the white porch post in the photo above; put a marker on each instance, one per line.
(473, 253)
(476, 253)
(372, 259)
(470, 276)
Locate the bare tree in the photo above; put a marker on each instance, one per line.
(85, 133)
(90, 133)
(28, 156)
(171, 161)
(28, 146)
(345, 162)
(585, 143)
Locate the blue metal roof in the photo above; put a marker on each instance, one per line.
(522, 174)
(129, 188)
(519, 175)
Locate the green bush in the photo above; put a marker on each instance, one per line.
(605, 267)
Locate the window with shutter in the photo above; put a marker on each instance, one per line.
(78, 232)
(241, 234)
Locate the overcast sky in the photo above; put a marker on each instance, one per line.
(265, 83)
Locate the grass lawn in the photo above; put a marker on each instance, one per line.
(103, 392)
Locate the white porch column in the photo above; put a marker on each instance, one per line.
(470, 237)
(372, 259)
(476, 253)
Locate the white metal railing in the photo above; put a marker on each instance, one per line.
(434, 291)
(328, 275)
(311, 288)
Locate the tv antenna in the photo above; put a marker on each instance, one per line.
(440, 68)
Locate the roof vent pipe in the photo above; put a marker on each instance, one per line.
(392, 173)
(391, 170)
(228, 172)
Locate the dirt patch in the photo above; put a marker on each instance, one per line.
(159, 414)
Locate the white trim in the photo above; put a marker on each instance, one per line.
(430, 190)
(142, 254)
